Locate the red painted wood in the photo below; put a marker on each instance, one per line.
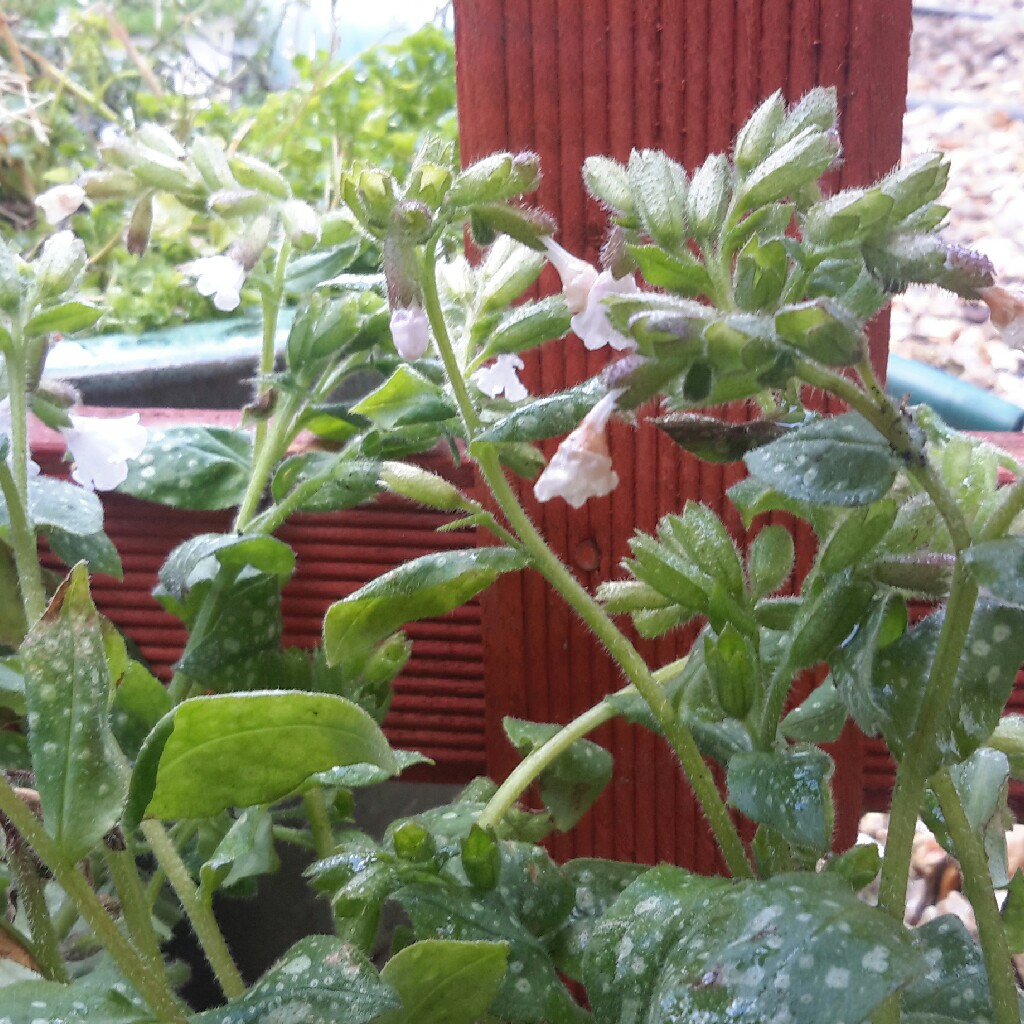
(567, 80)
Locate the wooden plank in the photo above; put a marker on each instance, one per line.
(682, 75)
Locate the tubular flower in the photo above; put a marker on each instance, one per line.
(410, 331)
(581, 468)
(220, 276)
(592, 325)
(60, 202)
(101, 449)
(578, 276)
(501, 378)
(1007, 310)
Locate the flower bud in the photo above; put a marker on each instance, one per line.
(967, 272)
(301, 222)
(110, 183)
(410, 331)
(140, 225)
(256, 175)
(755, 138)
(426, 488)
(212, 163)
(237, 202)
(158, 138)
(60, 264)
(412, 221)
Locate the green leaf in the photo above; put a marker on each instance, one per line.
(95, 549)
(140, 701)
(237, 750)
(246, 851)
(534, 888)
(855, 533)
(193, 467)
(984, 680)
(715, 440)
(760, 274)
(859, 865)
(826, 617)
(573, 782)
(998, 566)
(1013, 913)
(677, 948)
(789, 792)
(61, 505)
(546, 417)
(531, 989)
(819, 719)
(680, 273)
(1007, 737)
(201, 557)
(68, 690)
(424, 588)
(444, 982)
(770, 560)
(841, 460)
(596, 885)
(319, 979)
(98, 996)
(63, 319)
(406, 397)
(956, 986)
(526, 326)
(823, 330)
(507, 270)
(335, 481)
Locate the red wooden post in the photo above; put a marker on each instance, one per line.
(567, 80)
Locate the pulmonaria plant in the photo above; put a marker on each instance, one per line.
(740, 281)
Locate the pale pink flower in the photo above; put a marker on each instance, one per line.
(59, 202)
(581, 468)
(102, 448)
(1007, 310)
(592, 325)
(220, 276)
(410, 331)
(501, 378)
(578, 276)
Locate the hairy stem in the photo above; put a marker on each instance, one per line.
(545, 561)
(531, 767)
(970, 851)
(134, 907)
(200, 916)
(151, 985)
(29, 886)
(315, 804)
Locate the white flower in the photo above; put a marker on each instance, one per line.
(60, 202)
(501, 378)
(1007, 313)
(220, 276)
(410, 331)
(592, 325)
(581, 468)
(578, 276)
(5, 430)
(101, 449)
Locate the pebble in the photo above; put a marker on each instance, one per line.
(966, 97)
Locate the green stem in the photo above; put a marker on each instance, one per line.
(545, 561)
(45, 943)
(199, 914)
(14, 483)
(914, 769)
(151, 985)
(970, 852)
(134, 907)
(319, 818)
(1011, 506)
(530, 768)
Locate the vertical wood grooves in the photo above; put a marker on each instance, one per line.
(571, 81)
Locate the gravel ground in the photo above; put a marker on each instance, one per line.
(966, 98)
